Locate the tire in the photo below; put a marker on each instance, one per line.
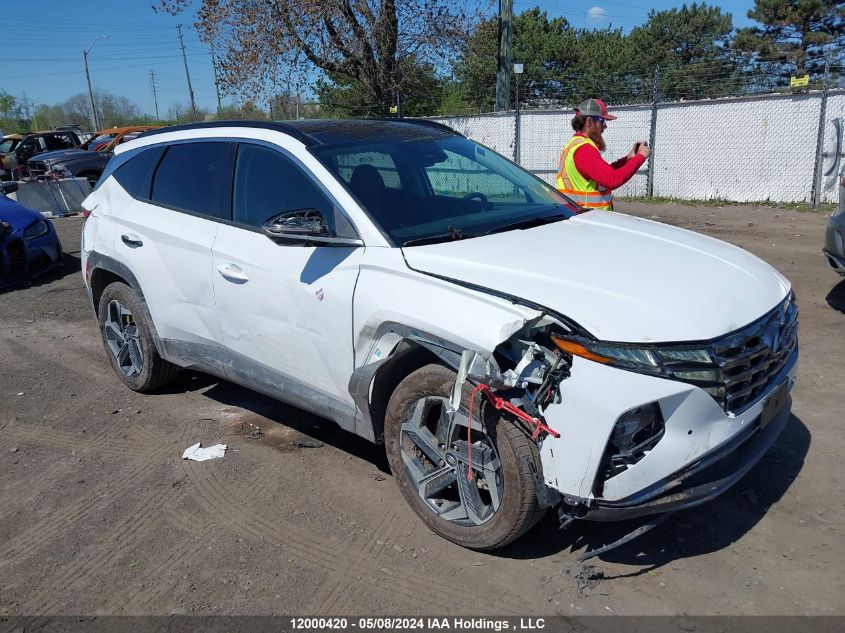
(128, 342)
(414, 431)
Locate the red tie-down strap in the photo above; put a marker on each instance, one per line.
(502, 405)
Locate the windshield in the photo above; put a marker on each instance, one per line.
(98, 140)
(442, 188)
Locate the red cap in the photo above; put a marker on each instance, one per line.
(594, 107)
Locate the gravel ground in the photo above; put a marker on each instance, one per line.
(99, 515)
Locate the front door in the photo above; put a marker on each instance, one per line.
(285, 311)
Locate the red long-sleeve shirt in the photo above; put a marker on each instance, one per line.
(592, 166)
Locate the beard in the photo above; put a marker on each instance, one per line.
(596, 137)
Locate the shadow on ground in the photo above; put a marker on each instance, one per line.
(700, 530)
(836, 297)
(71, 265)
(308, 424)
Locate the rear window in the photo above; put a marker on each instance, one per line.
(135, 175)
(193, 177)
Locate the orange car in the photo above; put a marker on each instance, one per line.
(106, 140)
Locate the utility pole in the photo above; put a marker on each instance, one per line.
(94, 118)
(816, 193)
(155, 96)
(505, 67)
(216, 80)
(187, 74)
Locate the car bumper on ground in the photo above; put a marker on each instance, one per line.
(834, 243)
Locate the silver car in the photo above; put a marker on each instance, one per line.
(834, 242)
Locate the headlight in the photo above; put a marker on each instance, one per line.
(692, 365)
(60, 171)
(36, 229)
(655, 359)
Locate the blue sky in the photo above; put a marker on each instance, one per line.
(41, 56)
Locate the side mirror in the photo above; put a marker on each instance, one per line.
(304, 227)
(8, 187)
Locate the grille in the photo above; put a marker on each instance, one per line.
(37, 168)
(753, 358)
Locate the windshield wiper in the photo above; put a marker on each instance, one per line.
(529, 223)
(453, 233)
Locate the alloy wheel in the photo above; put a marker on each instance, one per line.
(123, 339)
(458, 487)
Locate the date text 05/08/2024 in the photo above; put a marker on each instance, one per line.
(419, 624)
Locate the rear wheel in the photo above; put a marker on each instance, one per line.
(482, 502)
(128, 341)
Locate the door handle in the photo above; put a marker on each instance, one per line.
(232, 272)
(131, 241)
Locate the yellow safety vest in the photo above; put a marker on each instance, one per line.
(587, 193)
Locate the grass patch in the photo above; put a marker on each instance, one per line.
(801, 207)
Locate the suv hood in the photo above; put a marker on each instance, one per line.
(62, 155)
(621, 278)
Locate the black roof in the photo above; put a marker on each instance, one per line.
(334, 131)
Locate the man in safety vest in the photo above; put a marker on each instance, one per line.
(584, 175)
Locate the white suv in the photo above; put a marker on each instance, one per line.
(420, 290)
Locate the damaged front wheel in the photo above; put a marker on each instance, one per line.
(474, 486)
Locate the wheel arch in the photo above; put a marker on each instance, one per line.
(371, 385)
(106, 270)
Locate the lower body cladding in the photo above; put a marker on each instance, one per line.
(696, 452)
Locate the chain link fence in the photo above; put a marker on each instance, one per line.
(751, 142)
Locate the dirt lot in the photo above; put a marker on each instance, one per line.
(99, 515)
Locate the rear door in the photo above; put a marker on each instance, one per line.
(285, 311)
(165, 238)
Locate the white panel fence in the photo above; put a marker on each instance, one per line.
(743, 149)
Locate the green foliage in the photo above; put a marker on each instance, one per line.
(419, 92)
(795, 35)
(563, 66)
(691, 46)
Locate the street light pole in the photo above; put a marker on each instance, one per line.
(94, 119)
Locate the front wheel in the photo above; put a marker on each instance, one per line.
(483, 501)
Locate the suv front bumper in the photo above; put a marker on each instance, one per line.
(703, 450)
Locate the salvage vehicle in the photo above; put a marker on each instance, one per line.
(34, 143)
(7, 145)
(29, 245)
(834, 241)
(86, 161)
(512, 352)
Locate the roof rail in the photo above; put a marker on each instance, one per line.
(269, 125)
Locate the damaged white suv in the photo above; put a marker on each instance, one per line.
(424, 292)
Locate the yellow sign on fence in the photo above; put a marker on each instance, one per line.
(394, 109)
(799, 82)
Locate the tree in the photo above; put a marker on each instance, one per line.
(418, 93)
(365, 43)
(794, 36)
(691, 46)
(546, 48)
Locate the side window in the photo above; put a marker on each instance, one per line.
(194, 177)
(268, 183)
(346, 164)
(459, 176)
(135, 174)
